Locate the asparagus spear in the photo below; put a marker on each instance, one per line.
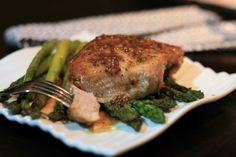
(43, 67)
(4, 97)
(62, 50)
(21, 79)
(60, 111)
(125, 113)
(41, 55)
(32, 69)
(188, 96)
(136, 123)
(13, 107)
(179, 92)
(150, 111)
(75, 46)
(41, 70)
(58, 61)
(165, 103)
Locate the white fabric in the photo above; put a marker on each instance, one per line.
(205, 36)
(192, 28)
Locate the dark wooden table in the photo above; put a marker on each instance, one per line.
(209, 130)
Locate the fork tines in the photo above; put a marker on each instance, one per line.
(53, 91)
(43, 87)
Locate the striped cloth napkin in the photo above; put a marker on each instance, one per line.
(189, 26)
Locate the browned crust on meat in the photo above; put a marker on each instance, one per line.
(107, 46)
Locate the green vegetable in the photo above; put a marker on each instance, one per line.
(32, 69)
(75, 46)
(136, 123)
(165, 103)
(21, 79)
(39, 102)
(172, 84)
(124, 112)
(179, 92)
(25, 105)
(40, 56)
(58, 61)
(13, 107)
(43, 67)
(35, 113)
(188, 96)
(65, 81)
(59, 113)
(150, 111)
(4, 97)
(69, 48)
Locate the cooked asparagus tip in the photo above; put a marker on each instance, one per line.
(74, 47)
(13, 107)
(124, 112)
(165, 103)
(59, 113)
(188, 96)
(150, 111)
(136, 123)
(171, 83)
(180, 93)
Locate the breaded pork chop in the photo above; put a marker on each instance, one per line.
(120, 67)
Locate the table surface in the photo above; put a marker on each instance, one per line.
(208, 130)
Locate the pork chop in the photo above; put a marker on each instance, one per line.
(117, 68)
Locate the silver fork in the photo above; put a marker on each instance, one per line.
(42, 87)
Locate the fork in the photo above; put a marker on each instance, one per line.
(42, 87)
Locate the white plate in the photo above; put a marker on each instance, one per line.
(214, 85)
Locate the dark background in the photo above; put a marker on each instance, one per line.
(208, 130)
